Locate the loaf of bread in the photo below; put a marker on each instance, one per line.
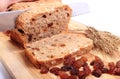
(52, 50)
(43, 20)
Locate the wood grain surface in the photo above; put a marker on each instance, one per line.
(19, 67)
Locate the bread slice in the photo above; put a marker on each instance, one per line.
(51, 51)
(41, 21)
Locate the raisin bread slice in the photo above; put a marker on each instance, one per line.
(40, 22)
(51, 51)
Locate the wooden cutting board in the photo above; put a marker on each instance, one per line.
(19, 67)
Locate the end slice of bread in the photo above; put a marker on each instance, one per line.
(41, 21)
(51, 51)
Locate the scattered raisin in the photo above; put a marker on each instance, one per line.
(69, 60)
(104, 70)
(66, 68)
(63, 75)
(87, 70)
(55, 70)
(116, 71)
(98, 63)
(80, 62)
(74, 71)
(44, 70)
(72, 77)
(97, 73)
(81, 75)
(118, 64)
(111, 67)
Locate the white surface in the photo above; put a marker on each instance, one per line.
(104, 15)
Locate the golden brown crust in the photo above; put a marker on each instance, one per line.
(16, 36)
(32, 58)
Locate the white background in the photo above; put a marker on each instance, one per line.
(103, 15)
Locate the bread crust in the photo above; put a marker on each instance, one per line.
(18, 37)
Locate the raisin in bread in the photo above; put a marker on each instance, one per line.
(52, 50)
(42, 21)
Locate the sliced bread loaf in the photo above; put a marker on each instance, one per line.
(41, 21)
(51, 51)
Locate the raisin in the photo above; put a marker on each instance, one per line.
(97, 73)
(118, 64)
(44, 70)
(116, 71)
(74, 71)
(55, 70)
(63, 75)
(72, 77)
(87, 70)
(81, 75)
(80, 62)
(104, 70)
(69, 60)
(98, 63)
(66, 68)
(111, 67)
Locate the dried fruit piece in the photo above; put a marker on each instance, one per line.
(44, 70)
(80, 62)
(104, 70)
(111, 67)
(55, 70)
(87, 70)
(66, 68)
(81, 75)
(74, 71)
(63, 75)
(118, 64)
(69, 60)
(98, 63)
(116, 71)
(72, 77)
(97, 73)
